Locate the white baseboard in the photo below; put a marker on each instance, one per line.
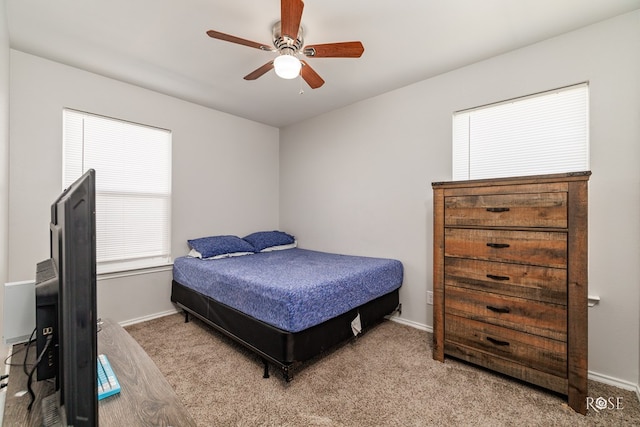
(396, 318)
(147, 318)
(616, 382)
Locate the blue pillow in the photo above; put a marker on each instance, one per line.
(220, 245)
(267, 239)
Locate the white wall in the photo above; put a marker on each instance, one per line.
(357, 180)
(4, 152)
(224, 178)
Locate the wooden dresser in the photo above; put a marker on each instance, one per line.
(510, 278)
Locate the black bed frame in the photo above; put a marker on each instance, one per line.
(286, 350)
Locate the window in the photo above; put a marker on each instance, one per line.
(538, 134)
(133, 187)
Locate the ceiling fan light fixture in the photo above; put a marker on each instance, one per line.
(287, 66)
(288, 42)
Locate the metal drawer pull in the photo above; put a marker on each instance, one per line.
(498, 245)
(494, 277)
(497, 342)
(498, 309)
(497, 209)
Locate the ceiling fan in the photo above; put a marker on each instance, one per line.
(288, 42)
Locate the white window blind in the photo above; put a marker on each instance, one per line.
(538, 134)
(133, 187)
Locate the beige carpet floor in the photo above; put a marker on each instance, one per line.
(386, 377)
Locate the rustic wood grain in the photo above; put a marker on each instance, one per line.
(515, 210)
(505, 366)
(547, 249)
(519, 280)
(438, 275)
(534, 317)
(510, 276)
(578, 295)
(530, 350)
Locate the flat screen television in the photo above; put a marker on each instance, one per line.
(66, 318)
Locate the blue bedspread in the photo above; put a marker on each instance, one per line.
(291, 289)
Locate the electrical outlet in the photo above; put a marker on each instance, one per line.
(429, 297)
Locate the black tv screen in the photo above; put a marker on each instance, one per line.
(73, 255)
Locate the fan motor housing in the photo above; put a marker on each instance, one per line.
(285, 42)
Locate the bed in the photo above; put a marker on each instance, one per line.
(287, 305)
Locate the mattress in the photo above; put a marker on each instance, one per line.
(292, 289)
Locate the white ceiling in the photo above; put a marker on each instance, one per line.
(162, 44)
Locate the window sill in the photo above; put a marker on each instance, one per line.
(134, 272)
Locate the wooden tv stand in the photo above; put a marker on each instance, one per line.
(146, 398)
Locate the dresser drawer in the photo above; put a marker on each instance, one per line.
(526, 247)
(507, 210)
(532, 351)
(547, 320)
(544, 284)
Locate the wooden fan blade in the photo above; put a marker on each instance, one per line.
(290, 17)
(335, 50)
(260, 71)
(309, 75)
(233, 39)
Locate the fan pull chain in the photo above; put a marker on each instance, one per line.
(300, 81)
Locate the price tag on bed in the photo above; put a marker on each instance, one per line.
(356, 326)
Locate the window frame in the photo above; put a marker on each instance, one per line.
(552, 128)
(123, 253)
